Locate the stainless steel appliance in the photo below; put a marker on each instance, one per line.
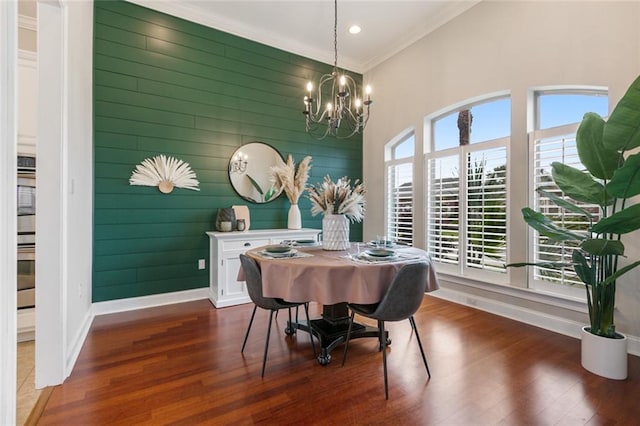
(26, 201)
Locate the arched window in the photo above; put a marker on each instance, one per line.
(557, 116)
(467, 188)
(399, 188)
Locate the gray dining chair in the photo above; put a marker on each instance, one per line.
(253, 279)
(400, 302)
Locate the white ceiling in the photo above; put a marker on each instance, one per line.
(305, 27)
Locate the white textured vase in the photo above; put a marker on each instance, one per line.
(335, 232)
(294, 220)
(604, 356)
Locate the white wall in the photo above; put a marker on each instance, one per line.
(64, 191)
(497, 46)
(79, 173)
(8, 139)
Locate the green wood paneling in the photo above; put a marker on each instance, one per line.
(163, 85)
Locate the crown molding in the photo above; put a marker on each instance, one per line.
(434, 22)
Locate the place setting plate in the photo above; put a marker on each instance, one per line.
(386, 244)
(379, 255)
(305, 243)
(301, 243)
(278, 251)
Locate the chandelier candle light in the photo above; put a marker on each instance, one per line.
(239, 163)
(344, 106)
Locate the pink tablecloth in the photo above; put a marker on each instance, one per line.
(328, 277)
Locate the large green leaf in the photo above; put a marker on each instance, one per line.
(620, 272)
(271, 192)
(561, 202)
(582, 268)
(579, 185)
(622, 222)
(600, 161)
(255, 184)
(626, 180)
(603, 247)
(546, 227)
(622, 130)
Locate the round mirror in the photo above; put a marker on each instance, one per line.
(250, 172)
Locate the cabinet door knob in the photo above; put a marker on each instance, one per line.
(247, 244)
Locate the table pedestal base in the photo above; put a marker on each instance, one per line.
(332, 328)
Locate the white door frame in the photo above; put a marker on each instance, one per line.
(51, 341)
(8, 182)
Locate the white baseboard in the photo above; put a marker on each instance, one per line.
(122, 305)
(26, 320)
(527, 316)
(76, 345)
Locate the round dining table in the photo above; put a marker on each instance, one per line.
(333, 279)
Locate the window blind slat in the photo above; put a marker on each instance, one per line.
(547, 150)
(399, 202)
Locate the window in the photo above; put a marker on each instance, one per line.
(560, 107)
(399, 189)
(558, 114)
(467, 188)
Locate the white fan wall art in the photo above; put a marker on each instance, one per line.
(165, 173)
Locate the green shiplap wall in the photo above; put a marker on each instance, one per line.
(163, 85)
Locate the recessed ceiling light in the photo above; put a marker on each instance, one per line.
(354, 29)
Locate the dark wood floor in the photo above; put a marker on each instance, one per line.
(181, 364)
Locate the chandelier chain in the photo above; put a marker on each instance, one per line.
(335, 35)
(338, 108)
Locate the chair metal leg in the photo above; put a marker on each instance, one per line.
(384, 358)
(413, 324)
(306, 311)
(424, 358)
(266, 344)
(346, 342)
(249, 327)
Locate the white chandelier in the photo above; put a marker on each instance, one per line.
(344, 106)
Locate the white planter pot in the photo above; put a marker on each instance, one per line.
(294, 220)
(335, 232)
(604, 356)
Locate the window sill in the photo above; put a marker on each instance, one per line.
(531, 295)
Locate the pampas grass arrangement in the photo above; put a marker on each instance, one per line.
(292, 181)
(328, 197)
(165, 173)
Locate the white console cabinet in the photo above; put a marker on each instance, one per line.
(224, 259)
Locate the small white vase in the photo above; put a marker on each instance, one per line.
(335, 232)
(604, 356)
(294, 220)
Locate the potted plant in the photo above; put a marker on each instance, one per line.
(611, 179)
(340, 203)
